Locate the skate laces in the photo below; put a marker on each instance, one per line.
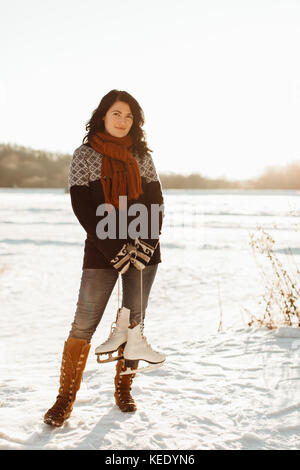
(113, 330)
(144, 337)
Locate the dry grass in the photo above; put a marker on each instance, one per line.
(220, 328)
(282, 295)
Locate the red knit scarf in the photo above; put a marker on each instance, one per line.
(120, 174)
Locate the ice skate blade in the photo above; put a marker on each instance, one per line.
(109, 359)
(143, 369)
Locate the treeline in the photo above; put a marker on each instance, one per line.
(287, 177)
(272, 178)
(195, 181)
(23, 167)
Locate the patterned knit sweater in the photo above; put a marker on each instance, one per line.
(86, 195)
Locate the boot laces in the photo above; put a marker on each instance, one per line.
(60, 406)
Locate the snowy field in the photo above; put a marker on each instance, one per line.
(233, 389)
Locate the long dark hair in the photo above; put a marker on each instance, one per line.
(96, 122)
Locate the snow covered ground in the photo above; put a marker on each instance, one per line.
(234, 389)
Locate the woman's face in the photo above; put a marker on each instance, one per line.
(118, 119)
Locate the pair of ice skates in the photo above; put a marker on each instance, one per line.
(136, 345)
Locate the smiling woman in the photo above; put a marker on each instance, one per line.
(118, 119)
(119, 114)
(114, 162)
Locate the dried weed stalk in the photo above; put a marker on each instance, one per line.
(282, 295)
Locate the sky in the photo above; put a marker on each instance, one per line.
(218, 80)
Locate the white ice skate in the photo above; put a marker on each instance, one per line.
(117, 337)
(137, 348)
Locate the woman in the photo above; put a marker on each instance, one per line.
(110, 172)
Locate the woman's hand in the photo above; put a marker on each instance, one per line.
(137, 257)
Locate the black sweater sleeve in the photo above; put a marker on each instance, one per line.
(154, 202)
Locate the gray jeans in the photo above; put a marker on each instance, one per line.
(95, 290)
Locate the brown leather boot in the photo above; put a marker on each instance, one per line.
(74, 358)
(123, 383)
